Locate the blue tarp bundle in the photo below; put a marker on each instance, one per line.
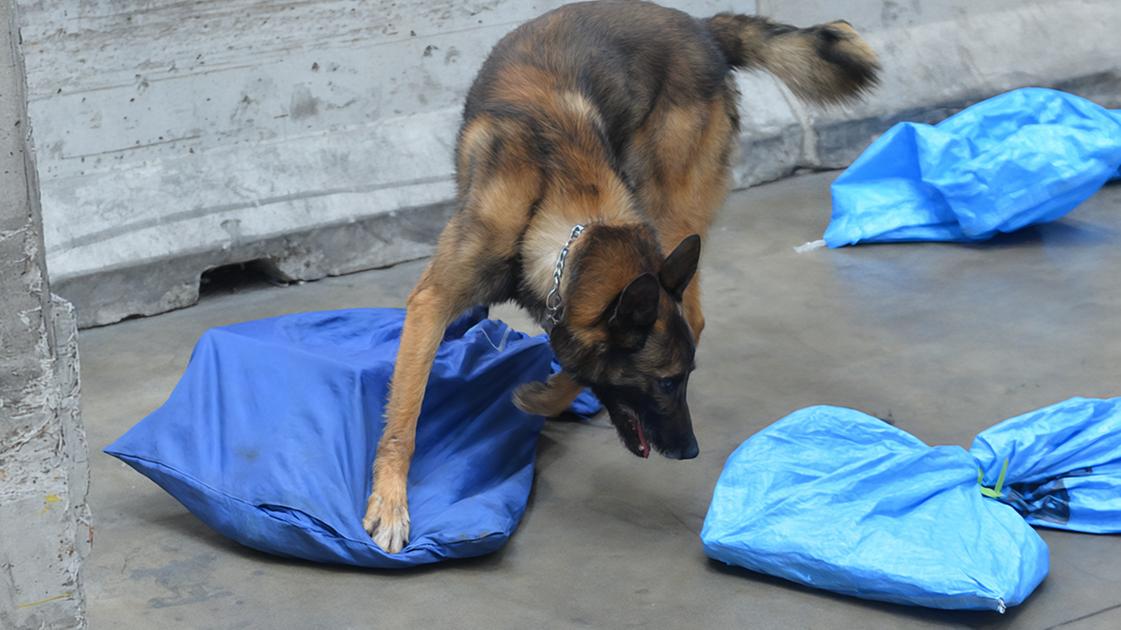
(270, 434)
(1027, 156)
(836, 499)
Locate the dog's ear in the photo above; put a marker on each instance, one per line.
(680, 265)
(632, 314)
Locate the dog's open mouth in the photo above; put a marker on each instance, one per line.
(636, 442)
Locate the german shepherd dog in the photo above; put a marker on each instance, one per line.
(593, 155)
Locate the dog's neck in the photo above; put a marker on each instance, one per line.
(551, 230)
(583, 189)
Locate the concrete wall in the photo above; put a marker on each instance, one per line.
(178, 136)
(44, 521)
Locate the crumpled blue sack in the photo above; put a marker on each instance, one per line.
(270, 435)
(835, 499)
(1024, 157)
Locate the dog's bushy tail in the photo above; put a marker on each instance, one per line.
(828, 63)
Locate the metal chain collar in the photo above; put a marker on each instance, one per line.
(554, 303)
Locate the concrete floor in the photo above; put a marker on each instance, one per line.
(944, 339)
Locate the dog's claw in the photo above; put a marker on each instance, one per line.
(388, 523)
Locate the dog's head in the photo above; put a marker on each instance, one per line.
(624, 335)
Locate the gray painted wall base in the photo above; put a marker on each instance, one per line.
(179, 136)
(163, 284)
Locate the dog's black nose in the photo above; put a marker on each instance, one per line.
(687, 450)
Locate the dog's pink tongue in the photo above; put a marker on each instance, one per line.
(642, 443)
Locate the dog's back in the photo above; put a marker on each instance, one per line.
(622, 56)
(625, 56)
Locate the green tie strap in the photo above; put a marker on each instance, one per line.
(995, 491)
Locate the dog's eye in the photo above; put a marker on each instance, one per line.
(668, 385)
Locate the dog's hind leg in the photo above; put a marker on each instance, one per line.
(691, 305)
(691, 146)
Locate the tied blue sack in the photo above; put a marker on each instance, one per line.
(269, 436)
(1024, 157)
(835, 499)
(1064, 464)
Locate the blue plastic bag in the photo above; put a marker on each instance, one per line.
(835, 499)
(270, 435)
(1027, 156)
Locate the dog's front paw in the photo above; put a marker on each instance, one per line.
(387, 520)
(549, 399)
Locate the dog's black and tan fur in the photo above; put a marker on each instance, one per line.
(619, 115)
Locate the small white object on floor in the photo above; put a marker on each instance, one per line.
(810, 246)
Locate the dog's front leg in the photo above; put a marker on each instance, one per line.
(429, 311)
(691, 304)
(471, 251)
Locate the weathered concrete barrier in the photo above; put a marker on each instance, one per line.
(44, 474)
(175, 137)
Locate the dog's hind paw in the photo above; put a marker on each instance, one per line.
(387, 522)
